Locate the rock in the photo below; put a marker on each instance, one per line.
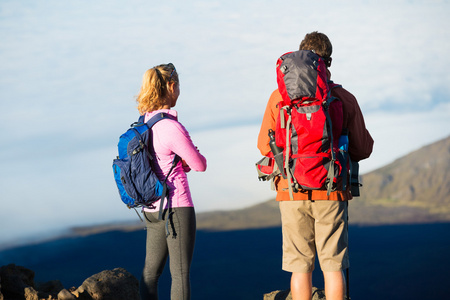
(1, 295)
(17, 283)
(30, 293)
(15, 279)
(49, 289)
(317, 294)
(278, 295)
(82, 294)
(111, 285)
(66, 295)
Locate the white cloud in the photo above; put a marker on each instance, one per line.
(69, 72)
(396, 135)
(231, 179)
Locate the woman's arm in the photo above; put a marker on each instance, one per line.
(180, 143)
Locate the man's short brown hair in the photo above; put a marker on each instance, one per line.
(318, 42)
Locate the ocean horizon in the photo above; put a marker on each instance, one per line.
(386, 262)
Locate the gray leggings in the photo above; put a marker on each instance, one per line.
(179, 245)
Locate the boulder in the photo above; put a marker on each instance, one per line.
(49, 290)
(17, 283)
(1, 295)
(110, 285)
(30, 293)
(317, 294)
(15, 279)
(66, 295)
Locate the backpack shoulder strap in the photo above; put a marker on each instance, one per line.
(333, 85)
(165, 193)
(156, 118)
(153, 120)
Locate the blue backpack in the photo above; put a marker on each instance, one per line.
(136, 180)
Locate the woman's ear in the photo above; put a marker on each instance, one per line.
(171, 86)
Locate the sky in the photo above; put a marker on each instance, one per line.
(70, 71)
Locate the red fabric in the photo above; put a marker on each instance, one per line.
(360, 141)
(322, 85)
(309, 134)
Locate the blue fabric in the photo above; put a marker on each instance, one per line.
(136, 181)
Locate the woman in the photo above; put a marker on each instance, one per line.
(174, 235)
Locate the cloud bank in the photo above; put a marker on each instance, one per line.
(69, 72)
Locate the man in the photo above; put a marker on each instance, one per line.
(315, 221)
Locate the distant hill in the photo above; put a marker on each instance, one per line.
(412, 189)
(262, 215)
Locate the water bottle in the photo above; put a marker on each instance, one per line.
(277, 152)
(354, 181)
(343, 156)
(273, 146)
(343, 140)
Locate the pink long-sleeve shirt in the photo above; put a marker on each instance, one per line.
(170, 138)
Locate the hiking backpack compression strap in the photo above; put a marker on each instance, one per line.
(165, 192)
(290, 178)
(331, 171)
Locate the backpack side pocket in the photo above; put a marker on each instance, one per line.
(122, 176)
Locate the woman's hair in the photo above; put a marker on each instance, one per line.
(318, 42)
(154, 87)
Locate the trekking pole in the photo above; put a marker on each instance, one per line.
(348, 284)
(347, 271)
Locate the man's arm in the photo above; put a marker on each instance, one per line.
(269, 122)
(360, 141)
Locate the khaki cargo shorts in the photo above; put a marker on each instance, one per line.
(310, 226)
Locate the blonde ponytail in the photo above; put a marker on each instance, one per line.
(154, 87)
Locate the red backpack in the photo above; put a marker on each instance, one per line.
(310, 123)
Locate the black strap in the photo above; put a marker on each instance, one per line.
(347, 271)
(153, 120)
(165, 192)
(331, 172)
(348, 284)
